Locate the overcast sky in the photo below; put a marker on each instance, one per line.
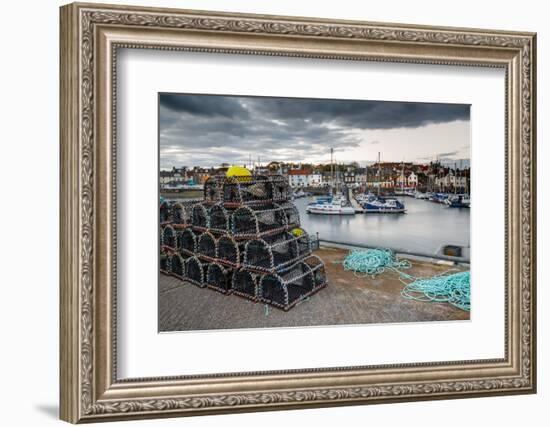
(207, 130)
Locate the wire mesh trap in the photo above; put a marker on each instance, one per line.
(207, 247)
(281, 188)
(229, 251)
(168, 237)
(246, 189)
(256, 221)
(180, 214)
(199, 216)
(219, 219)
(219, 278)
(177, 266)
(188, 242)
(195, 271)
(275, 252)
(287, 288)
(244, 238)
(245, 284)
(165, 263)
(213, 188)
(165, 212)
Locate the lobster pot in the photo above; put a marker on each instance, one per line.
(271, 252)
(165, 214)
(292, 216)
(213, 189)
(245, 284)
(219, 219)
(280, 188)
(247, 189)
(317, 267)
(180, 214)
(207, 246)
(199, 216)
(187, 242)
(165, 263)
(219, 278)
(195, 271)
(254, 221)
(229, 251)
(303, 242)
(177, 266)
(287, 288)
(168, 237)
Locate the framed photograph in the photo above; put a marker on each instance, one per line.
(266, 212)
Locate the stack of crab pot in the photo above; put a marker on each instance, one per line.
(244, 238)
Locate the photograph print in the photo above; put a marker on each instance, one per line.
(295, 212)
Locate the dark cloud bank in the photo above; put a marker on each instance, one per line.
(211, 129)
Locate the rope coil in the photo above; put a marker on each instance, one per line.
(373, 262)
(453, 289)
(450, 288)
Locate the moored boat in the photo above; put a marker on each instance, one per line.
(438, 197)
(458, 201)
(383, 205)
(421, 196)
(334, 206)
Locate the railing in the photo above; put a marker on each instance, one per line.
(316, 241)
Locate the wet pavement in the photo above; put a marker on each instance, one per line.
(347, 299)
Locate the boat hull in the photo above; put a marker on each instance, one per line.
(319, 211)
(383, 210)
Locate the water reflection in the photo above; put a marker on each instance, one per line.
(424, 228)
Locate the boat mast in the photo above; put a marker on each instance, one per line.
(402, 176)
(455, 175)
(331, 169)
(379, 174)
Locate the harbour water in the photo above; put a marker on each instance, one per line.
(424, 228)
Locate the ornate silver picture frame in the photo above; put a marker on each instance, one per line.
(91, 35)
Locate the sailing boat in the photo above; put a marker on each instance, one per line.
(379, 204)
(334, 204)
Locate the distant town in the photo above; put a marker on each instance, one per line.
(432, 176)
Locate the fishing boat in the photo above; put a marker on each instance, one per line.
(438, 197)
(383, 205)
(421, 196)
(336, 203)
(458, 201)
(366, 197)
(322, 199)
(299, 194)
(332, 207)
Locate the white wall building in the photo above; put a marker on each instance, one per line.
(412, 180)
(304, 178)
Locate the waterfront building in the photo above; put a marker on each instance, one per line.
(174, 175)
(299, 177)
(412, 180)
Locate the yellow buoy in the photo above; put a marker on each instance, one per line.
(297, 232)
(239, 172)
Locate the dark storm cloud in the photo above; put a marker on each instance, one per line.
(208, 129)
(362, 114)
(201, 105)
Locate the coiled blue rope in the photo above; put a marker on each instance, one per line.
(451, 288)
(373, 261)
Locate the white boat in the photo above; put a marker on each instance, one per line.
(334, 207)
(458, 201)
(421, 196)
